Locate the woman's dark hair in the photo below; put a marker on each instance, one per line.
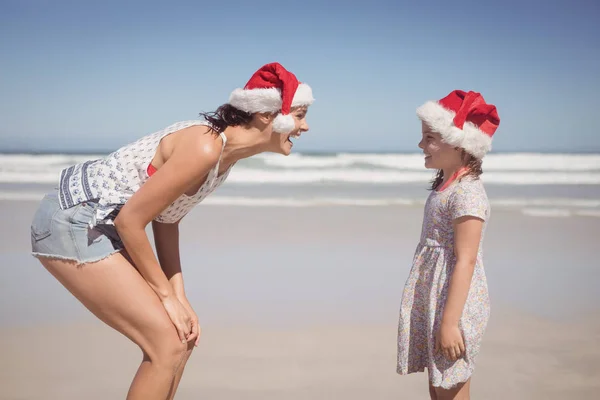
(226, 115)
(472, 163)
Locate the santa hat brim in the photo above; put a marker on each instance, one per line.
(441, 120)
(268, 100)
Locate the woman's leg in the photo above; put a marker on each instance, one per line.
(460, 392)
(114, 291)
(179, 373)
(188, 352)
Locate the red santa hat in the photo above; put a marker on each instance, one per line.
(464, 120)
(273, 89)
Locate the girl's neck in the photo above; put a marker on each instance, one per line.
(452, 174)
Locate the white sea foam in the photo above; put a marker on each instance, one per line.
(588, 213)
(545, 202)
(499, 169)
(21, 196)
(560, 212)
(546, 212)
(379, 176)
(536, 207)
(313, 202)
(493, 162)
(342, 175)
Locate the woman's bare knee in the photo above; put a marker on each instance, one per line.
(166, 351)
(189, 350)
(187, 354)
(136, 312)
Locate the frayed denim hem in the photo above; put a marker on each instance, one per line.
(77, 261)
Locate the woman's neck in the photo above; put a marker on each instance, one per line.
(242, 143)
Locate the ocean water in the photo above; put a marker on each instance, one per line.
(551, 185)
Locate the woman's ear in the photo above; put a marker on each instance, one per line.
(266, 118)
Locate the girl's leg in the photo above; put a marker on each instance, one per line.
(460, 392)
(432, 394)
(114, 291)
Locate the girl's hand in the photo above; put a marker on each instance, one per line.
(450, 341)
(179, 316)
(195, 332)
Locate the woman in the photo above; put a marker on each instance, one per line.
(90, 233)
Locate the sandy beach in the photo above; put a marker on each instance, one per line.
(330, 123)
(302, 303)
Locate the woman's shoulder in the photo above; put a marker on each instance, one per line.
(198, 140)
(179, 126)
(155, 136)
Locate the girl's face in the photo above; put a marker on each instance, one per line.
(438, 154)
(282, 143)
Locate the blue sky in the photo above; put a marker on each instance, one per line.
(82, 75)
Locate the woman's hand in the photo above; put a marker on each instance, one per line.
(450, 341)
(195, 332)
(179, 316)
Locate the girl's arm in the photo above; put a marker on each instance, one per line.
(467, 235)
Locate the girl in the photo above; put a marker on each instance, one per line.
(90, 233)
(445, 304)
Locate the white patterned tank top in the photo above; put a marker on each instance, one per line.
(112, 180)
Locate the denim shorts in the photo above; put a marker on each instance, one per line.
(68, 234)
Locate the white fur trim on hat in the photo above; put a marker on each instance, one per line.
(303, 96)
(283, 123)
(470, 138)
(268, 100)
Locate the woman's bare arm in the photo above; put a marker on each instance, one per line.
(166, 241)
(192, 158)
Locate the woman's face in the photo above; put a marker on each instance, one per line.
(438, 154)
(282, 142)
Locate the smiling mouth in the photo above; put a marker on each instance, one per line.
(293, 136)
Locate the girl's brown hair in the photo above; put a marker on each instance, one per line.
(469, 161)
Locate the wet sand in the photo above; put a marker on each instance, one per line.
(301, 303)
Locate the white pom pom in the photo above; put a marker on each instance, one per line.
(283, 123)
